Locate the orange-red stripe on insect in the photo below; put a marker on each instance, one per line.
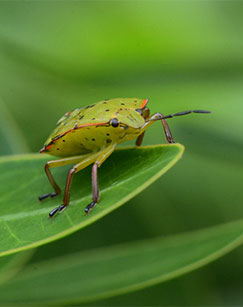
(78, 127)
(83, 126)
(48, 146)
(145, 101)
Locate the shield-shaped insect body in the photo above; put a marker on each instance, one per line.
(89, 135)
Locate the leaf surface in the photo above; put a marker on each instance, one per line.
(24, 222)
(105, 272)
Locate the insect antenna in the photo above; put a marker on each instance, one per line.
(185, 113)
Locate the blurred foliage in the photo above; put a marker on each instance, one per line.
(106, 272)
(56, 56)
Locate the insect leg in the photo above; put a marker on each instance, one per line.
(159, 116)
(95, 187)
(167, 131)
(87, 160)
(141, 136)
(57, 163)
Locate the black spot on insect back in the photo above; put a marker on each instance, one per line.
(107, 110)
(108, 141)
(93, 140)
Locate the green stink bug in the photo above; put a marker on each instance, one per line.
(89, 135)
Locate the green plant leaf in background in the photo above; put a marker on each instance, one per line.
(12, 140)
(11, 265)
(24, 223)
(100, 273)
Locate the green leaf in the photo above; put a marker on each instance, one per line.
(24, 223)
(105, 272)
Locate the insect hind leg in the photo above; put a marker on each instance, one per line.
(57, 163)
(52, 181)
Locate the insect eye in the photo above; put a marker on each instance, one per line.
(114, 122)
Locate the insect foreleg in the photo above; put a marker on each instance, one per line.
(159, 116)
(167, 131)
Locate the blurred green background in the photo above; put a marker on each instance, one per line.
(56, 56)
